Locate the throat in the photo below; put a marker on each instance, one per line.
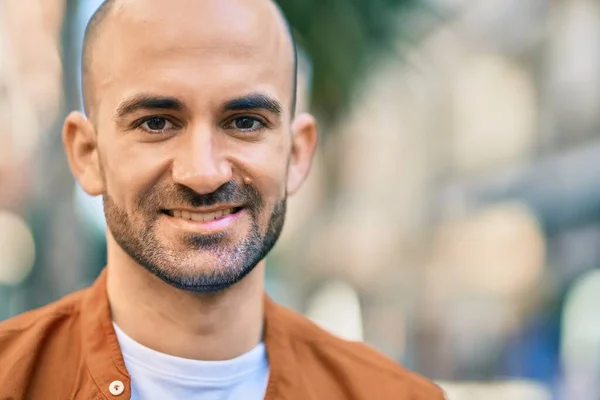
(209, 327)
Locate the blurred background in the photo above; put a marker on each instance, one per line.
(452, 218)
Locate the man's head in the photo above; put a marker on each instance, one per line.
(191, 137)
(93, 28)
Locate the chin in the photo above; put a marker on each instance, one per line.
(200, 274)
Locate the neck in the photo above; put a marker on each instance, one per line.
(208, 327)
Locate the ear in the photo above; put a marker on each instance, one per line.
(304, 143)
(81, 146)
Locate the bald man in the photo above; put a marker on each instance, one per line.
(190, 138)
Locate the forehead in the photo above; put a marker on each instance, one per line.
(199, 51)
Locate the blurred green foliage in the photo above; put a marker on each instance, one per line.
(343, 38)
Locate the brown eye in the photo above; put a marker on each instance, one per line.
(247, 124)
(156, 124)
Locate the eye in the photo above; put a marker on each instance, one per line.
(247, 124)
(156, 124)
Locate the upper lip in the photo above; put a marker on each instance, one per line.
(205, 210)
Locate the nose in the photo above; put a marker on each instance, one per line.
(200, 163)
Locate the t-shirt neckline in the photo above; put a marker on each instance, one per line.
(183, 368)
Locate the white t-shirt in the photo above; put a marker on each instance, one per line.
(158, 376)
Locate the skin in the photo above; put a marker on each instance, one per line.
(226, 137)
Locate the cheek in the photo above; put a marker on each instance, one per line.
(130, 169)
(266, 166)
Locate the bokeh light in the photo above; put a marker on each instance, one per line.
(17, 249)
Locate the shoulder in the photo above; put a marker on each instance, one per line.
(360, 366)
(42, 347)
(25, 330)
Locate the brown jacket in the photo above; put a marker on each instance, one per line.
(69, 350)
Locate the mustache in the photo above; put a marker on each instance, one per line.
(228, 193)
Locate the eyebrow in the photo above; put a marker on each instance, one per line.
(148, 102)
(255, 101)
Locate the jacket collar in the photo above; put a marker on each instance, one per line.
(101, 351)
(105, 363)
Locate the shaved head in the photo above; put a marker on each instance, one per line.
(98, 22)
(91, 32)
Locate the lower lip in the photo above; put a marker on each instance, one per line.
(215, 225)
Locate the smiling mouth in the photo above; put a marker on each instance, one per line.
(202, 216)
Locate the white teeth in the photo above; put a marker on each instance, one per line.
(196, 217)
(201, 216)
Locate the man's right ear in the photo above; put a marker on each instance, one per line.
(81, 146)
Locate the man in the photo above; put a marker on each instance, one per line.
(191, 140)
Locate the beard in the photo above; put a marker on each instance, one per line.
(207, 263)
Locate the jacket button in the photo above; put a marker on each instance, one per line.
(116, 388)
